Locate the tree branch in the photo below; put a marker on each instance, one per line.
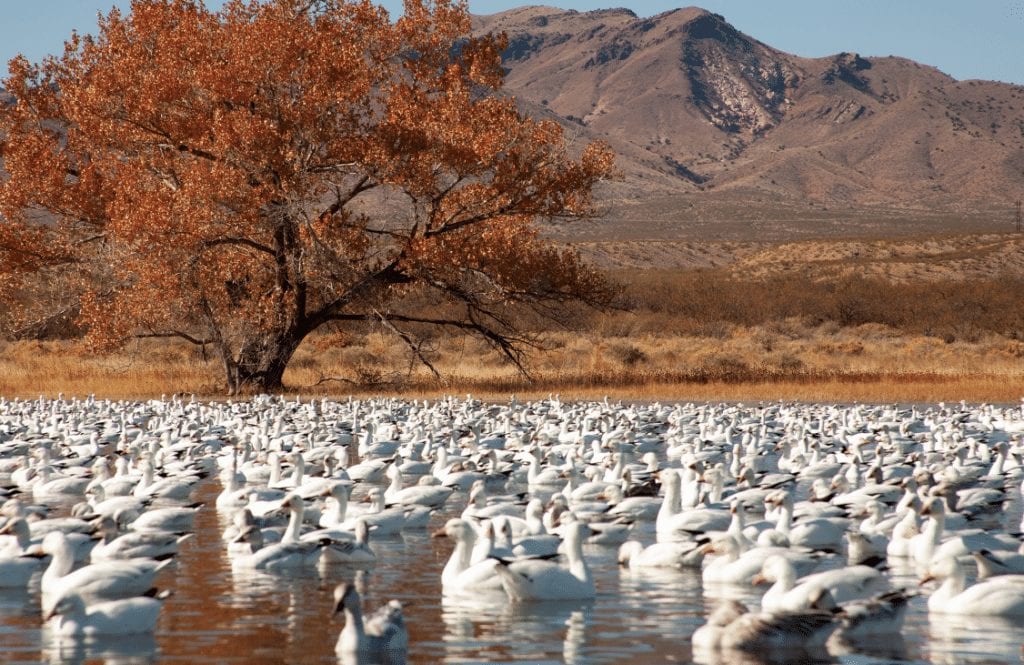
(239, 241)
(176, 333)
(412, 344)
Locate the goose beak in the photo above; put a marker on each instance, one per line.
(758, 579)
(440, 533)
(708, 549)
(926, 579)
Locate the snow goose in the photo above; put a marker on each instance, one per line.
(526, 546)
(862, 549)
(17, 538)
(134, 544)
(1001, 596)
(383, 521)
(177, 488)
(673, 523)
(991, 564)
(19, 560)
(175, 520)
(433, 496)
(351, 550)
(108, 580)
(459, 575)
(50, 487)
(532, 579)
(381, 638)
(537, 477)
(274, 557)
(788, 594)
(821, 533)
(633, 554)
(640, 508)
(734, 566)
(129, 616)
(98, 503)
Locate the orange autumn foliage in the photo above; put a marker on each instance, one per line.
(241, 178)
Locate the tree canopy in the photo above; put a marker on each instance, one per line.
(241, 178)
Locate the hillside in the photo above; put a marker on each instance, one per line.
(694, 106)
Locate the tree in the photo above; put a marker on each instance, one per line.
(242, 178)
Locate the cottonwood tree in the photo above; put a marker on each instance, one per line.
(244, 177)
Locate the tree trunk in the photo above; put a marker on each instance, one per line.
(260, 365)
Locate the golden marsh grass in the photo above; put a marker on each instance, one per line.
(681, 335)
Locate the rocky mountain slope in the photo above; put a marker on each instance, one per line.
(694, 106)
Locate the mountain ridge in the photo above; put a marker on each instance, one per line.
(692, 104)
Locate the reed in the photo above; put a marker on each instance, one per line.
(785, 360)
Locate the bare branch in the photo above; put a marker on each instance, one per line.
(413, 345)
(239, 241)
(175, 333)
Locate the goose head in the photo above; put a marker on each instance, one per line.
(726, 612)
(628, 550)
(943, 568)
(346, 598)
(456, 529)
(70, 604)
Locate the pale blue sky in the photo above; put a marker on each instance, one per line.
(977, 39)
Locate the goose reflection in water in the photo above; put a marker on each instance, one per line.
(136, 650)
(960, 640)
(524, 629)
(775, 656)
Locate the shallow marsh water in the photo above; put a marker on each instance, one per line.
(217, 615)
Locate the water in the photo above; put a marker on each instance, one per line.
(217, 615)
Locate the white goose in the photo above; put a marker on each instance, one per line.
(1001, 596)
(734, 566)
(134, 544)
(459, 574)
(433, 496)
(109, 580)
(383, 521)
(633, 554)
(275, 556)
(129, 616)
(532, 579)
(788, 594)
(18, 561)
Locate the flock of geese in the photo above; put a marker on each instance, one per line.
(817, 504)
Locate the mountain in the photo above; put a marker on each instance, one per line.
(693, 107)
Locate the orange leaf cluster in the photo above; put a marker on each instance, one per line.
(242, 177)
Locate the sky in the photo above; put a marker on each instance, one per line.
(967, 40)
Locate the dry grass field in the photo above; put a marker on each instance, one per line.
(682, 335)
(845, 316)
(785, 361)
